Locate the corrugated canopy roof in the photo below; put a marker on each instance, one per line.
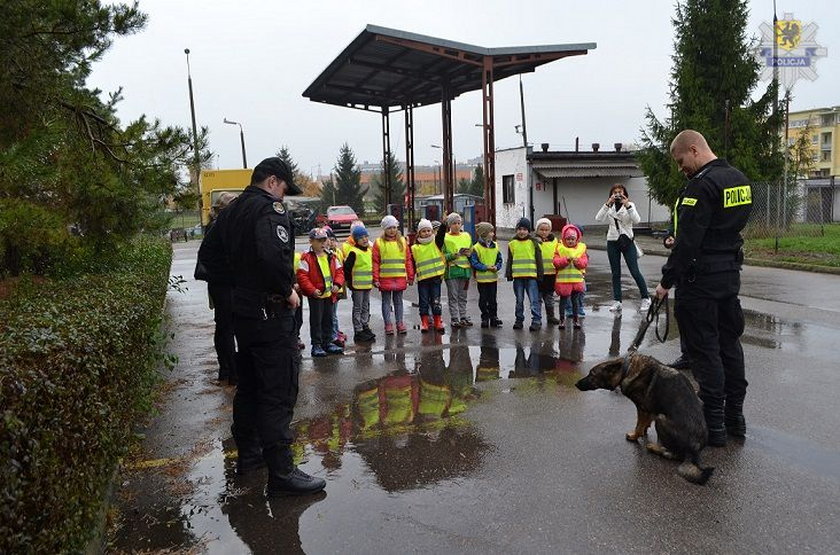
(391, 68)
(585, 164)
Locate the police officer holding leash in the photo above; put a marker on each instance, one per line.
(705, 265)
(255, 238)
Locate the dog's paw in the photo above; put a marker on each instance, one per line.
(632, 436)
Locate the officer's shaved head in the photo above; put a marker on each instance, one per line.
(690, 151)
(685, 139)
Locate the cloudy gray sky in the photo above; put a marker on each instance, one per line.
(252, 59)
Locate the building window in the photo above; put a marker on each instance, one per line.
(507, 189)
(826, 140)
(826, 156)
(827, 120)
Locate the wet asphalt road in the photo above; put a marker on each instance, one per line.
(477, 441)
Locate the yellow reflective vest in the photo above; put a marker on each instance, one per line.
(429, 262)
(324, 264)
(523, 261)
(548, 248)
(453, 243)
(392, 258)
(362, 274)
(487, 256)
(570, 274)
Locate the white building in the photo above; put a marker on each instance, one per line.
(573, 185)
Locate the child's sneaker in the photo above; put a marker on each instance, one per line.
(645, 305)
(466, 323)
(616, 307)
(576, 324)
(318, 351)
(455, 324)
(333, 349)
(496, 323)
(517, 325)
(562, 324)
(535, 326)
(401, 329)
(485, 323)
(389, 329)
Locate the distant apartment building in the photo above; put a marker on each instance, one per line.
(823, 125)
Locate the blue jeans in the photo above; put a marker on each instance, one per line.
(632, 260)
(529, 286)
(389, 298)
(428, 291)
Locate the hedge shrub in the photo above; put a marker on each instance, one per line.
(78, 361)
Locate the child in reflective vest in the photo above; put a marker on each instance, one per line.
(393, 272)
(486, 261)
(358, 277)
(457, 249)
(571, 261)
(429, 267)
(339, 337)
(524, 268)
(320, 277)
(548, 245)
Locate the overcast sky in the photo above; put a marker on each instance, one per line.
(252, 59)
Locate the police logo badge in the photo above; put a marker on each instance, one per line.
(282, 234)
(279, 208)
(788, 33)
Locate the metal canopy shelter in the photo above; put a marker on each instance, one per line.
(386, 70)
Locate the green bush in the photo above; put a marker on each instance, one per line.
(78, 362)
(31, 237)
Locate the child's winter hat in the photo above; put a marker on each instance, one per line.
(359, 231)
(482, 229)
(524, 223)
(542, 221)
(424, 224)
(453, 218)
(389, 221)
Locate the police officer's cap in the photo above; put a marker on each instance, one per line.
(277, 167)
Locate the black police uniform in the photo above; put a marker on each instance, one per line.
(220, 290)
(256, 235)
(705, 265)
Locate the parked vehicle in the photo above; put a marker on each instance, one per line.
(340, 217)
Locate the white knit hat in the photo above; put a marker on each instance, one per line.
(542, 221)
(424, 224)
(453, 217)
(389, 221)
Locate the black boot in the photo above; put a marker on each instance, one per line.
(714, 424)
(284, 478)
(549, 312)
(733, 419)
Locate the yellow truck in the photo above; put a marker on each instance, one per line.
(215, 182)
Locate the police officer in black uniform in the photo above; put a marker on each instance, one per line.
(705, 265)
(255, 238)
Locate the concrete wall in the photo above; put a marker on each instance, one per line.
(512, 162)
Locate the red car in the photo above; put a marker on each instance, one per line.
(340, 217)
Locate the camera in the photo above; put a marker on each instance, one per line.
(617, 197)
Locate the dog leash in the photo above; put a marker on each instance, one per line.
(653, 314)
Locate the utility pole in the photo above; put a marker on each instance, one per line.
(196, 155)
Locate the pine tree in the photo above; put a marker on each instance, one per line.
(285, 155)
(377, 183)
(477, 183)
(308, 186)
(346, 182)
(713, 76)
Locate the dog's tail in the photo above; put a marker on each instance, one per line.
(694, 473)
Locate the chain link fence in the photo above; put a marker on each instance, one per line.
(801, 209)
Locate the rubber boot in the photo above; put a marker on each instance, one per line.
(733, 418)
(549, 312)
(714, 423)
(424, 323)
(284, 478)
(439, 327)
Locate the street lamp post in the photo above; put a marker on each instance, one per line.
(241, 139)
(196, 155)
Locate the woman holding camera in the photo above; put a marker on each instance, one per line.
(621, 215)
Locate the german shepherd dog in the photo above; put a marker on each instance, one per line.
(660, 394)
